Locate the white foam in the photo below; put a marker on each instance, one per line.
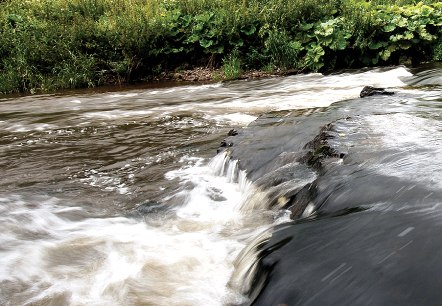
(186, 259)
(115, 114)
(235, 118)
(26, 127)
(237, 103)
(314, 90)
(230, 105)
(124, 95)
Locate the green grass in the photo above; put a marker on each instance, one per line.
(232, 66)
(52, 44)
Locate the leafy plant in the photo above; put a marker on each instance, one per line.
(51, 44)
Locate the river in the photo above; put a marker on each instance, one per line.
(120, 198)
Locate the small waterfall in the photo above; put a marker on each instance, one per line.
(246, 263)
(253, 198)
(254, 204)
(222, 165)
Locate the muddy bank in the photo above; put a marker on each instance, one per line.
(207, 75)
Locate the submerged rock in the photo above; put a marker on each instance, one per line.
(225, 143)
(372, 91)
(320, 149)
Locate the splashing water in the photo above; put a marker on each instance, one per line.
(54, 253)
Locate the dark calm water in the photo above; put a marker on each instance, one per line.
(119, 198)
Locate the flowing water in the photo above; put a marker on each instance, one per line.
(119, 198)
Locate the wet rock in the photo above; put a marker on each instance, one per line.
(225, 144)
(320, 149)
(232, 132)
(372, 91)
(298, 202)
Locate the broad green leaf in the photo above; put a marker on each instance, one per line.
(392, 48)
(396, 37)
(376, 45)
(412, 25)
(251, 29)
(426, 11)
(306, 26)
(401, 22)
(185, 20)
(238, 43)
(405, 45)
(325, 29)
(385, 55)
(408, 35)
(204, 17)
(424, 34)
(341, 44)
(193, 38)
(326, 41)
(211, 33)
(206, 43)
(198, 27)
(296, 45)
(389, 28)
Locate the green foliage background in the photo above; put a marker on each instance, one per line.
(53, 44)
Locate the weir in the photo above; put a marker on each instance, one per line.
(362, 225)
(322, 197)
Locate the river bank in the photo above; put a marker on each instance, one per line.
(208, 75)
(52, 45)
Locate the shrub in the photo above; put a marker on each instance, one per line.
(50, 44)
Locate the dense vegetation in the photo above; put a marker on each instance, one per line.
(50, 44)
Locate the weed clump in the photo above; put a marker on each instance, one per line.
(232, 66)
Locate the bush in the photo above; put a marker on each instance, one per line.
(51, 44)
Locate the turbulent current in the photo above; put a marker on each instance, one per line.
(120, 198)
